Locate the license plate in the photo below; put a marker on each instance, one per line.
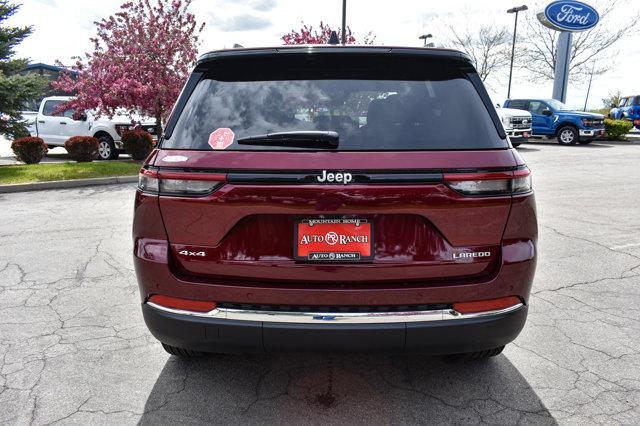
(333, 240)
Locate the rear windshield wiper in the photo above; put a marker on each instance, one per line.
(305, 139)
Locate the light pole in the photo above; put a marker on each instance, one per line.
(344, 22)
(593, 68)
(424, 37)
(513, 44)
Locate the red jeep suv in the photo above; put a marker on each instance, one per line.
(325, 198)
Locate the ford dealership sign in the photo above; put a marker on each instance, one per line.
(569, 15)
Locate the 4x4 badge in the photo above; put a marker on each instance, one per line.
(192, 253)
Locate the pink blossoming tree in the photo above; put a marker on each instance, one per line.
(141, 58)
(307, 35)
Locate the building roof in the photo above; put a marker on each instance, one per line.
(54, 68)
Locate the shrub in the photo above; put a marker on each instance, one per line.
(83, 149)
(615, 130)
(29, 150)
(137, 143)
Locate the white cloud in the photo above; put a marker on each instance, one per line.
(261, 5)
(244, 22)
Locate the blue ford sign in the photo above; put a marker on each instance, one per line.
(569, 15)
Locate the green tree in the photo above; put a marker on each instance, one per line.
(612, 100)
(15, 89)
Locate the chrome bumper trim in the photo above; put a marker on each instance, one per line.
(518, 133)
(590, 132)
(334, 317)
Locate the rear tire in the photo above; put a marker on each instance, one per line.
(181, 352)
(568, 135)
(489, 353)
(106, 148)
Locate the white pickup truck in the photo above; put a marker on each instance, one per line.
(516, 123)
(55, 128)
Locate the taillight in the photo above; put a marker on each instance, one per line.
(182, 304)
(486, 305)
(521, 182)
(179, 183)
(490, 183)
(148, 181)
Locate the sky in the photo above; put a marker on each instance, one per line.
(62, 29)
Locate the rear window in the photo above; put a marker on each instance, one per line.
(374, 104)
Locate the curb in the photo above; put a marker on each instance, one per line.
(61, 184)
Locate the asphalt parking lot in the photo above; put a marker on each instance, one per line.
(74, 348)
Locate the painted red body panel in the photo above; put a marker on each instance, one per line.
(246, 232)
(462, 220)
(343, 160)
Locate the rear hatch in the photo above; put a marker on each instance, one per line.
(335, 167)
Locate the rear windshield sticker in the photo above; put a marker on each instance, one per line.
(175, 159)
(221, 138)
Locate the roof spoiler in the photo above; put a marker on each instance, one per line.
(324, 49)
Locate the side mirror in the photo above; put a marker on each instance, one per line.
(547, 112)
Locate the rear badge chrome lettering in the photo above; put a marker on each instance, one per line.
(343, 178)
(175, 159)
(471, 254)
(192, 253)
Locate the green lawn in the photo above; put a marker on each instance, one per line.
(25, 173)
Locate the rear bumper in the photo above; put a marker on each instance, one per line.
(210, 333)
(519, 135)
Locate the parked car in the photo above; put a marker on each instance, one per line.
(331, 199)
(517, 124)
(55, 128)
(627, 109)
(553, 119)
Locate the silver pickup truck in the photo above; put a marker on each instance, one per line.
(516, 123)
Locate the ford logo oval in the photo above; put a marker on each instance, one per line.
(569, 15)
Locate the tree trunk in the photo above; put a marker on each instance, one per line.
(159, 119)
(158, 125)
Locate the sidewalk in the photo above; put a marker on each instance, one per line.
(6, 155)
